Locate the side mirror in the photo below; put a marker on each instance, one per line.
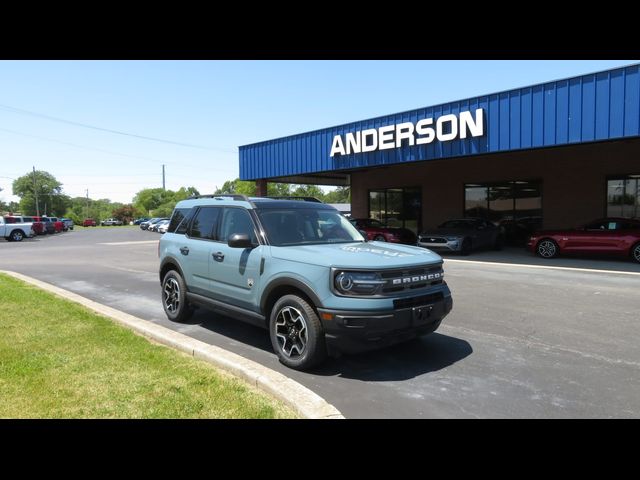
(239, 240)
(364, 234)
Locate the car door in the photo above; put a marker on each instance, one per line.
(235, 272)
(596, 237)
(196, 247)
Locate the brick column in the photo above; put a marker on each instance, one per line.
(261, 188)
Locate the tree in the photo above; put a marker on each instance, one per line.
(125, 213)
(308, 191)
(339, 195)
(48, 190)
(248, 188)
(151, 198)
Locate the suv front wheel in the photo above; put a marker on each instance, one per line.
(296, 333)
(174, 297)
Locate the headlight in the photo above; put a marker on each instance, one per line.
(357, 283)
(452, 239)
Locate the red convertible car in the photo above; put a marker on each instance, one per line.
(375, 230)
(606, 236)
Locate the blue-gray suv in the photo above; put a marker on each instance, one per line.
(300, 270)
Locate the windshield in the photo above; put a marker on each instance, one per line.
(303, 226)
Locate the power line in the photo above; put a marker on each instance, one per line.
(109, 152)
(93, 127)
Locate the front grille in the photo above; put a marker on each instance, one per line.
(411, 279)
(418, 301)
(433, 240)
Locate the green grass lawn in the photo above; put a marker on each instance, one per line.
(59, 360)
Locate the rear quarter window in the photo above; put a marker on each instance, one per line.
(180, 220)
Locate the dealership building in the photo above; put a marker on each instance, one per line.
(552, 155)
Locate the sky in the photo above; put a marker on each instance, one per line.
(199, 112)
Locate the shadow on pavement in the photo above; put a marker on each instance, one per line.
(400, 362)
(231, 328)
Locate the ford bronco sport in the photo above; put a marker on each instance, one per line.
(300, 270)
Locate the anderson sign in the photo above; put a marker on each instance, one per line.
(447, 128)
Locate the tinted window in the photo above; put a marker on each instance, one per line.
(601, 225)
(307, 226)
(204, 223)
(237, 220)
(176, 218)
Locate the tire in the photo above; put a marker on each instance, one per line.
(635, 252)
(380, 238)
(174, 297)
(547, 248)
(17, 236)
(466, 248)
(296, 333)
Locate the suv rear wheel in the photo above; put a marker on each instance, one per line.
(174, 297)
(296, 333)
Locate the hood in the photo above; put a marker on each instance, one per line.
(399, 230)
(440, 232)
(357, 255)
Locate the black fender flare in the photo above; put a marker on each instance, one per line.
(288, 282)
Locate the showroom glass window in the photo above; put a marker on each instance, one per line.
(623, 196)
(397, 207)
(516, 206)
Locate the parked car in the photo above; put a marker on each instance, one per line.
(317, 291)
(145, 225)
(36, 224)
(462, 235)
(68, 223)
(517, 231)
(109, 222)
(605, 236)
(153, 227)
(49, 225)
(15, 232)
(59, 226)
(138, 221)
(375, 230)
(89, 222)
(162, 226)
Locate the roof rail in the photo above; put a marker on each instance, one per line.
(305, 199)
(235, 196)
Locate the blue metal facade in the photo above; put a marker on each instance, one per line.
(594, 107)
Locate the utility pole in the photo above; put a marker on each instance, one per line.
(35, 192)
(163, 177)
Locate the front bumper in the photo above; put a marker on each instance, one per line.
(352, 331)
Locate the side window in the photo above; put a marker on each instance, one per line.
(597, 226)
(176, 218)
(204, 224)
(182, 227)
(237, 220)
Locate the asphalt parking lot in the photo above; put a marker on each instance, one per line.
(521, 342)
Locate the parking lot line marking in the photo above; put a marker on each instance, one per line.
(141, 242)
(548, 267)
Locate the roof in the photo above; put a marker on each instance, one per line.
(588, 108)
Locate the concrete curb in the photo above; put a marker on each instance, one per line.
(305, 402)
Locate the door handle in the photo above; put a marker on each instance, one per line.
(184, 250)
(218, 256)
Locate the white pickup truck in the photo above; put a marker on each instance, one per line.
(15, 232)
